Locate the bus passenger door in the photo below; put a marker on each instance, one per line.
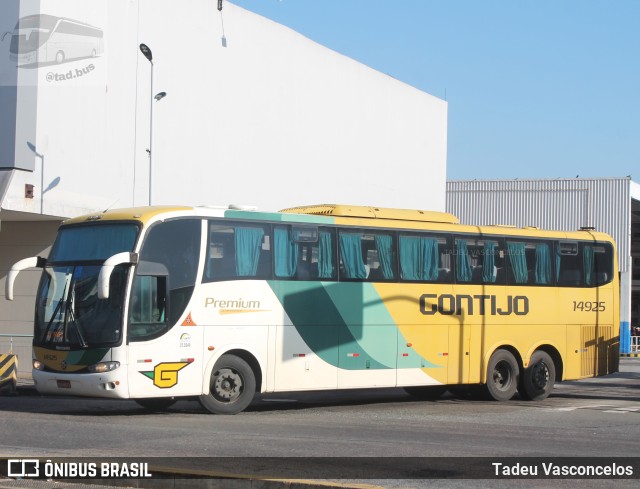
(165, 343)
(165, 356)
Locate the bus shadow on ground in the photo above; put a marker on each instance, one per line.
(28, 400)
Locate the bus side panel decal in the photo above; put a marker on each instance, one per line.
(310, 307)
(345, 308)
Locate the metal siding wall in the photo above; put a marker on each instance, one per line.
(563, 204)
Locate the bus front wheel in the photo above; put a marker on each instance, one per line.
(502, 376)
(538, 378)
(233, 385)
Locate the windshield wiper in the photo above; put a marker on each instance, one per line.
(55, 313)
(70, 316)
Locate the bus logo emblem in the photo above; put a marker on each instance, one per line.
(165, 375)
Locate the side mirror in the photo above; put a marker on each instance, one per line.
(107, 270)
(33, 262)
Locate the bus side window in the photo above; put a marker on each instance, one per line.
(479, 261)
(379, 256)
(569, 264)
(147, 311)
(598, 264)
(530, 262)
(367, 256)
(237, 251)
(303, 252)
(425, 258)
(165, 277)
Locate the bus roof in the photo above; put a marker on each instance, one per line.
(341, 214)
(373, 213)
(142, 214)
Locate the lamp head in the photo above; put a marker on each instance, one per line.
(146, 50)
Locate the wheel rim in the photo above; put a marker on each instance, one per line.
(227, 385)
(540, 376)
(502, 376)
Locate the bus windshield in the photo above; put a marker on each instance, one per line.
(68, 310)
(69, 313)
(93, 242)
(31, 32)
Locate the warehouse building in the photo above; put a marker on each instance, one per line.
(611, 205)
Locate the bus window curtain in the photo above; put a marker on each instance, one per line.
(518, 261)
(419, 258)
(463, 262)
(383, 246)
(351, 256)
(248, 247)
(285, 252)
(588, 259)
(489, 274)
(325, 255)
(542, 273)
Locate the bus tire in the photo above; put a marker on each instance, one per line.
(538, 378)
(426, 391)
(502, 376)
(156, 403)
(60, 57)
(233, 385)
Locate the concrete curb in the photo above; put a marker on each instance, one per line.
(178, 481)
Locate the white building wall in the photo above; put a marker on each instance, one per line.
(272, 119)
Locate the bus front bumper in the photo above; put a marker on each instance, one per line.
(110, 384)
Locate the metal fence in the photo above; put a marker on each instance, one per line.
(635, 344)
(19, 345)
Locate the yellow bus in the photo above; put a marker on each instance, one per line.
(159, 303)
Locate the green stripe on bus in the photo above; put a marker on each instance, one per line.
(321, 325)
(273, 216)
(367, 319)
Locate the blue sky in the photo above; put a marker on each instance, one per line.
(535, 89)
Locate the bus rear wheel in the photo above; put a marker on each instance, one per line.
(538, 378)
(233, 385)
(502, 376)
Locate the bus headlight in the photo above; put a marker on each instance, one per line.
(102, 367)
(38, 365)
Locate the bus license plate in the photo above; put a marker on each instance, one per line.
(64, 384)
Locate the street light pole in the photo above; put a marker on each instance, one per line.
(146, 51)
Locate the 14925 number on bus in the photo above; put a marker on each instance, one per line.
(589, 306)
